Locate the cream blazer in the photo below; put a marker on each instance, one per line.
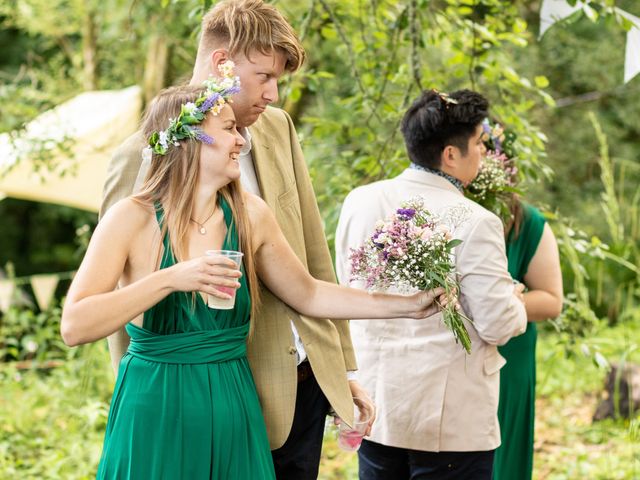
(430, 394)
(286, 187)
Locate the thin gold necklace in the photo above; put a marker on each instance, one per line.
(201, 229)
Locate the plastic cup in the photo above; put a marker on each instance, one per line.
(224, 303)
(350, 437)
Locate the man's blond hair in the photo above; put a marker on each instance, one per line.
(244, 26)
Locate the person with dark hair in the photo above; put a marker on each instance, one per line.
(437, 406)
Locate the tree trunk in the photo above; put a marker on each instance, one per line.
(89, 49)
(157, 64)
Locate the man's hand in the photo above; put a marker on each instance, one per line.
(358, 391)
(518, 290)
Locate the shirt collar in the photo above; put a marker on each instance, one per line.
(246, 134)
(454, 181)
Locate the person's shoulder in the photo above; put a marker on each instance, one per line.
(477, 219)
(256, 207)
(274, 119)
(132, 146)
(372, 188)
(371, 201)
(532, 213)
(130, 212)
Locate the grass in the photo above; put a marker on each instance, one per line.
(52, 423)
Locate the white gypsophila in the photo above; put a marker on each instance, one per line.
(456, 215)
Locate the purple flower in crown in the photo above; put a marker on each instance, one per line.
(233, 90)
(202, 137)
(209, 102)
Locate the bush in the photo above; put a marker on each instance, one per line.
(26, 335)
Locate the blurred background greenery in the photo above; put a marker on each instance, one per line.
(563, 95)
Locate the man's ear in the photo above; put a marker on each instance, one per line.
(218, 57)
(449, 156)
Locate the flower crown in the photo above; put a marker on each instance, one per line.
(218, 93)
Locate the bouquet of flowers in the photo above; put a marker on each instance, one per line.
(497, 178)
(413, 249)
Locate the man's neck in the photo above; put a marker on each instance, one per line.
(449, 172)
(200, 74)
(441, 173)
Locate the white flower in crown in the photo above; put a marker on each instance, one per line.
(227, 82)
(220, 103)
(163, 139)
(226, 68)
(190, 107)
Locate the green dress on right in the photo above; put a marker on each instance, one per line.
(516, 408)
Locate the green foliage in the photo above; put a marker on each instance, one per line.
(41, 238)
(52, 423)
(377, 58)
(26, 335)
(568, 444)
(619, 288)
(367, 61)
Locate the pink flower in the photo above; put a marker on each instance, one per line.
(426, 233)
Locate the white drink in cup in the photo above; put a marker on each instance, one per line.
(224, 303)
(350, 437)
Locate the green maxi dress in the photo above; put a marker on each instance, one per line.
(185, 405)
(516, 408)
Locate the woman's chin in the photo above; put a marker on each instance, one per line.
(234, 174)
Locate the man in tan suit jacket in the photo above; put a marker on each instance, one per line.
(300, 365)
(437, 406)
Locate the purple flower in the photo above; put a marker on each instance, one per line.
(497, 144)
(209, 102)
(203, 137)
(486, 127)
(233, 90)
(406, 213)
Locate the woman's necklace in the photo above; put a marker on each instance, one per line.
(201, 229)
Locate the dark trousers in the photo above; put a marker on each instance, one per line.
(379, 462)
(299, 457)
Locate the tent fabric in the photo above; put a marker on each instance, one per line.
(96, 123)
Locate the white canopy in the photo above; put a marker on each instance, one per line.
(96, 123)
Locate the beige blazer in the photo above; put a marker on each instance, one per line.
(430, 395)
(286, 187)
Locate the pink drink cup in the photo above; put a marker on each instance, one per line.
(350, 437)
(224, 303)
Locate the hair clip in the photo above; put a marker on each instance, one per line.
(445, 98)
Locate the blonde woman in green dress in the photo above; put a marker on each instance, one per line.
(185, 405)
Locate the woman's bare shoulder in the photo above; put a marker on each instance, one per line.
(257, 208)
(126, 220)
(130, 211)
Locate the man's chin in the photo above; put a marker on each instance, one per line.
(249, 119)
